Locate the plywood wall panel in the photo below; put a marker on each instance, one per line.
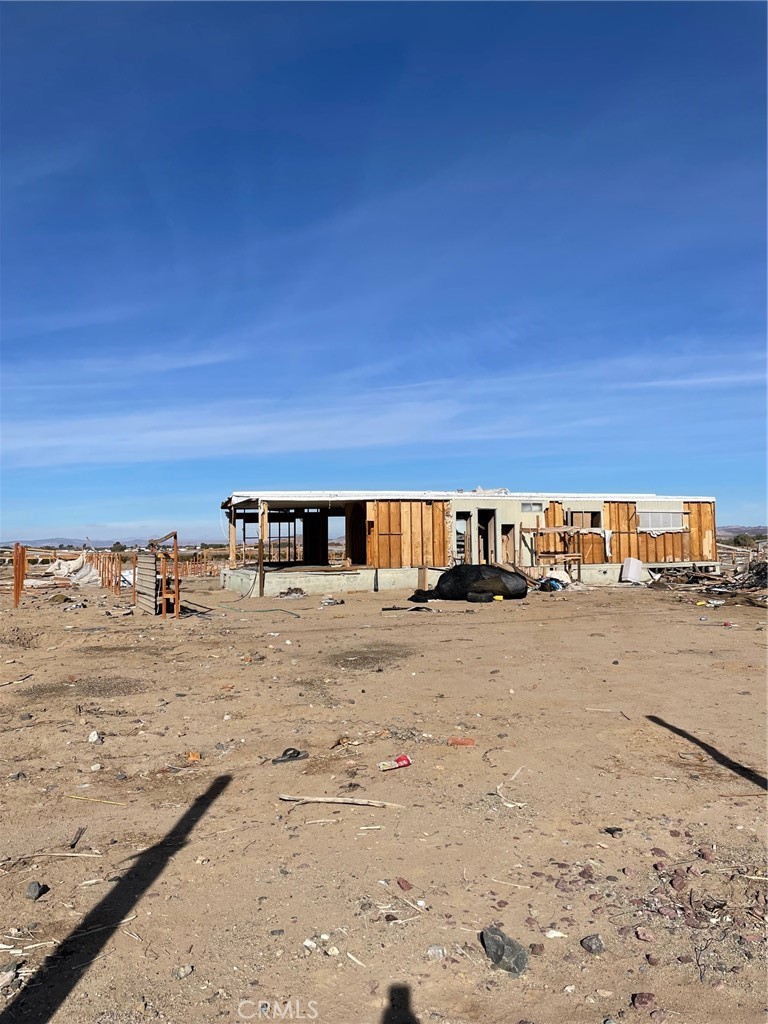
(703, 530)
(592, 548)
(406, 539)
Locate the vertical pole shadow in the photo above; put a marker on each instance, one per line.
(56, 978)
(717, 755)
(399, 1010)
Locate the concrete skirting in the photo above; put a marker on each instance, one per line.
(325, 581)
(347, 581)
(610, 572)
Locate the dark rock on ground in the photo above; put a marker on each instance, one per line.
(504, 953)
(593, 944)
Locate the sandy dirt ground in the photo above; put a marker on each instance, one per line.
(614, 788)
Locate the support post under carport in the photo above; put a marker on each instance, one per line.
(232, 540)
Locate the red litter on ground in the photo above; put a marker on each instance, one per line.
(402, 761)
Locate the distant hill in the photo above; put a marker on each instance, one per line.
(78, 542)
(751, 531)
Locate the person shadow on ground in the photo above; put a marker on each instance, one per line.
(399, 1010)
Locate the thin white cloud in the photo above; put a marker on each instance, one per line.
(67, 320)
(724, 380)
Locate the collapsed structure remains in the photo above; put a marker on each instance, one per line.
(389, 536)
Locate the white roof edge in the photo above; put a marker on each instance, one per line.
(309, 497)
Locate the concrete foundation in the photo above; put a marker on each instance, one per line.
(347, 581)
(325, 581)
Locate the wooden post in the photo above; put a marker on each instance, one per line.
(261, 567)
(244, 548)
(422, 578)
(135, 567)
(176, 586)
(264, 529)
(232, 540)
(163, 589)
(19, 571)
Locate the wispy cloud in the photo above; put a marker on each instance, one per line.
(571, 406)
(68, 320)
(724, 380)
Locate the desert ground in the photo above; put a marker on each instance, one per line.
(614, 787)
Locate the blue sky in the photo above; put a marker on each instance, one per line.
(378, 245)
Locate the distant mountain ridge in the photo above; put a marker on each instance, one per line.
(74, 542)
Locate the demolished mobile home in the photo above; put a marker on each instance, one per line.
(391, 539)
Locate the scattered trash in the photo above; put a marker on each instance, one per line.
(631, 571)
(35, 890)
(401, 761)
(292, 593)
(323, 800)
(330, 602)
(593, 944)
(309, 944)
(549, 585)
(553, 933)
(504, 953)
(436, 952)
(461, 741)
(194, 755)
(290, 754)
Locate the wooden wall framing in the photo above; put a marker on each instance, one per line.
(620, 534)
(406, 533)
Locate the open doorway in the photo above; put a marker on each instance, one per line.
(463, 541)
(486, 535)
(508, 543)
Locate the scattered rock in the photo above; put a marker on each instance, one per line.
(404, 884)
(614, 831)
(643, 1000)
(182, 972)
(121, 776)
(652, 961)
(277, 931)
(96, 737)
(436, 952)
(644, 935)
(35, 890)
(659, 1016)
(504, 953)
(593, 944)
(332, 951)
(26, 717)
(536, 948)
(686, 958)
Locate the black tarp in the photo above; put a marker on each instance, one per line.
(459, 583)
